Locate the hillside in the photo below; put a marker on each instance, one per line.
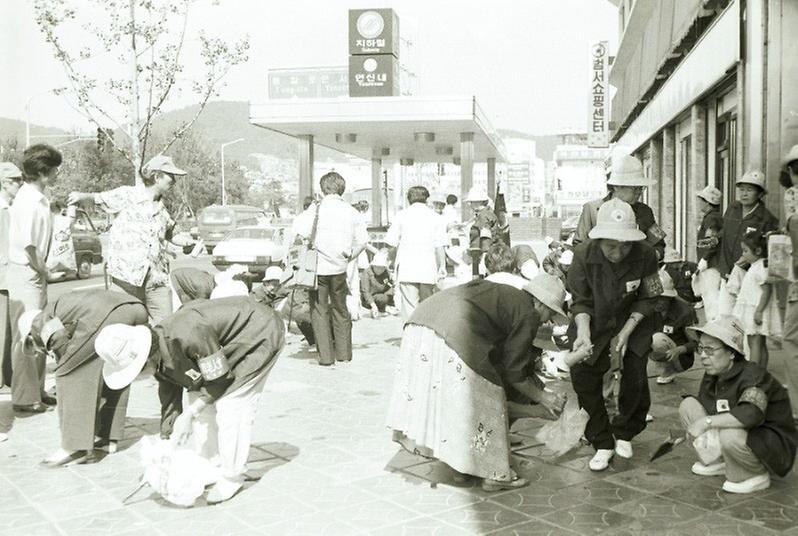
(13, 128)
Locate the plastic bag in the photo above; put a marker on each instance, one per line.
(707, 446)
(176, 472)
(61, 257)
(564, 434)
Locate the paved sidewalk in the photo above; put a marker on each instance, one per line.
(327, 466)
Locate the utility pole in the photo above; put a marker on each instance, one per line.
(224, 192)
(134, 101)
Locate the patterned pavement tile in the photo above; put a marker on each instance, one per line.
(553, 477)
(102, 523)
(589, 519)
(718, 525)
(262, 514)
(601, 493)
(535, 500)
(371, 516)
(391, 484)
(402, 459)
(429, 501)
(208, 521)
(657, 512)
(9, 496)
(764, 514)
(43, 529)
(534, 528)
(647, 479)
(707, 495)
(421, 526)
(19, 518)
(311, 525)
(440, 473)
(482, 517)
(329, 497)
(67, 507)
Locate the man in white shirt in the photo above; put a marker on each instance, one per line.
(450, 212)
(420, 236)
(340, 237)
(31, 230)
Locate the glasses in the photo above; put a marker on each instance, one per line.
(707, 350)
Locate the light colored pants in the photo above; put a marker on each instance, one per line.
(726, 300)
(353, 298)
(157, 299)
(741, 462)
(709, 287)
(26, 292)
(410, 295)
(790, 352)
(222, 431)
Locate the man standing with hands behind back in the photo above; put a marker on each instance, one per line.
(340, 236)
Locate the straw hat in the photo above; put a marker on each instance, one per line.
(755, 177)
(661, 344)
(711, 195)
(628, 171)
(380, 259)
(550, 291)
(616, 221)
(477, 193)
(671, 255)
(124, 350)
(164, 164)
(726, 329)
(544, 340)
(9, 171)
(668, 288)
(529, 269)
(791, 156)
(227, 289)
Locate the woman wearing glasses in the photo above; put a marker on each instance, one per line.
(741, 407)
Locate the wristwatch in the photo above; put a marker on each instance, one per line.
(708, 420)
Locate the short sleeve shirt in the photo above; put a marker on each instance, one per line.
(417, 231)
(137, 241)
(31, 224)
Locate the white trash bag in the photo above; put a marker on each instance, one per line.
(707, 446)
(564, 434)
(61, 257)
(176, 472)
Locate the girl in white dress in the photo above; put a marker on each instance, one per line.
(756, 306)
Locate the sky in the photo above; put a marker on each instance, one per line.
(526, 61)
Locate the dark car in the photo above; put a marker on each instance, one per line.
(88, 249)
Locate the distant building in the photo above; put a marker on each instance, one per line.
(579, 174)
(706, 90)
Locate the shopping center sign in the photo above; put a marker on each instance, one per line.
(598, 134)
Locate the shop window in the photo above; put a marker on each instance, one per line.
(726, 157)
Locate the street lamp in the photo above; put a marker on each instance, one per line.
(224, 194)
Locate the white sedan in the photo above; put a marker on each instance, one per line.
(255, 247)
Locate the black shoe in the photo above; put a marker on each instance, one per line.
(38, 407)
(49, 400)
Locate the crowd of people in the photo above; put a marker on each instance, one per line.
(478, 314)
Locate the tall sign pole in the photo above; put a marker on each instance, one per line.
(134, 97)
(598, 132)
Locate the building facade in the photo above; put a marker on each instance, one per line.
(705, 90)
(579, 174)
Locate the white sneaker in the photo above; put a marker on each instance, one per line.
(713, 469)
(665, 379)
(601, 460)
(649, 417)
(623, 448)
(3, 437)
(755, 483)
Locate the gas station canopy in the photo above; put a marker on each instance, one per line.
(422, 129)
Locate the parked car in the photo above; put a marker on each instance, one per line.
(88, 249)
(256, 247)
(216, 222)
(568, 227)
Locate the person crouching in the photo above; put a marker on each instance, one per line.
(67, 329)
(670, 346)
(221, 351)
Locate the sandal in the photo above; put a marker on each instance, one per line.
(501, 485)
(72, 458)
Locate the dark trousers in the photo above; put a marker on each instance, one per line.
(5, 339)
(330, 319)
(633, 402)
(381, 300)
(301, 315)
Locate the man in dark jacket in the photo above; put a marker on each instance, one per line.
(627, 183)
(87, 407)
(670, 345)
(221, 351)
(377, 287)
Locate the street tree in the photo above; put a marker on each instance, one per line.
(150, 38)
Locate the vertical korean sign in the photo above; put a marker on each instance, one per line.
(598, 117)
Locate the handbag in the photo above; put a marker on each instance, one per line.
(305, 270)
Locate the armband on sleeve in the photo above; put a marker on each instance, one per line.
(651, 286)
(214, 366)
(654, 234)
(755, 396)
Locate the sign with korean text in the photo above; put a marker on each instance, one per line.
(373, 76)
(598, 134)
(373, 31)
(311, 83)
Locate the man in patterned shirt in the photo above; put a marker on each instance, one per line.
(138, 256)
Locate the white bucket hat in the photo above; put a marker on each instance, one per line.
(544, 340)
(755, 177)
(616, 221)
(124, 351)
(668, 288)
(550, 291)
(438, 197)
(567, 257)
(477, 193)
(229, 288)
(380, 259)
(711, 195)
(272, 273)
(163, 164)
(9, 171)
(791, 156)
(628, 171)
(671, 255)
(660, 345)
(725, 328)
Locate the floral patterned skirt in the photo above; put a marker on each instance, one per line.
(440, 408)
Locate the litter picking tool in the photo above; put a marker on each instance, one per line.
(139, 486)
(667, 446)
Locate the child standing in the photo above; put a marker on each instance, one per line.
(756, 306)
